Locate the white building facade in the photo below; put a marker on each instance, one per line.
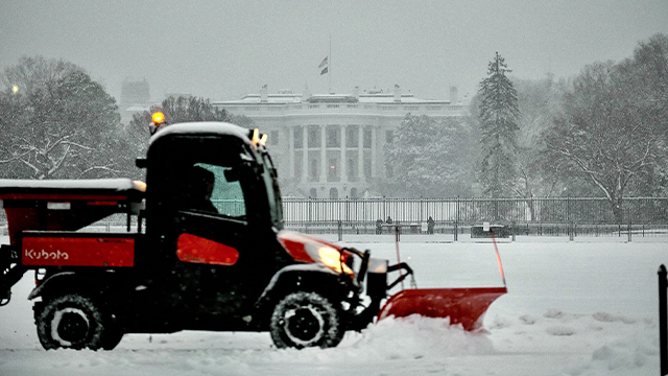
(331, 145)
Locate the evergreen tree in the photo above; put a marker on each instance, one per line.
(498, 117)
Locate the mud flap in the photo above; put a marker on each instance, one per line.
(465, 306)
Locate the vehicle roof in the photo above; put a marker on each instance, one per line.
(204, 127)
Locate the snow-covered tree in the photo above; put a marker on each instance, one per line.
(186, 109)
(650, 61)
(429, 159)
(56, 122)
(498, 117)
(612, 130)
(538, 103)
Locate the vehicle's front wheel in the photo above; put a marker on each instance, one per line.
(70, 321)
(306, 319)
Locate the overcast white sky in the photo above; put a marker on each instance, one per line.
(221, 49)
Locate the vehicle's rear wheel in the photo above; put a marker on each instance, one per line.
(70, 321)
(306, 319)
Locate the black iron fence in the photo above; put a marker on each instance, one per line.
(642, 216)
(540, 216)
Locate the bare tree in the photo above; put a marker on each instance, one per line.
(606, 132)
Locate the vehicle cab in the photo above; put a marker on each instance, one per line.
(213, 212)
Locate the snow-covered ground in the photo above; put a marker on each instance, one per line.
(588, 307)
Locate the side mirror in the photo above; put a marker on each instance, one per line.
(141, 162)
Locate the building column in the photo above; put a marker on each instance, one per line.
(374, 140)
(360, 154)
(291, 152)
(305, 172)
(323, 155)
(344, 165)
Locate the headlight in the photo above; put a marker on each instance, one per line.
(310, 249)
(329, 257)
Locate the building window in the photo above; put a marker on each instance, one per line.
(351, 169)
(313, 193)
(333, 136)
(367, 138)
(273, 138)
(334, 194)
(314, 140)
(389, 137)
(313, 166)
(367, 165)
(352, 136)
(333, 170)
(298, 137)
(299, 158)
(353, 192)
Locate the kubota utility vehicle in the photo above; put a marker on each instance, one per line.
(204, 249)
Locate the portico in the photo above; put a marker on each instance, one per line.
(331, 145)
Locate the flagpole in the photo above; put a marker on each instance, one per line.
(330, 63)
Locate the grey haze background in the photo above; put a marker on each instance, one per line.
(223, 49)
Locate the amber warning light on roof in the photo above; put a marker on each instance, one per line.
(158, 118)
(257, 138)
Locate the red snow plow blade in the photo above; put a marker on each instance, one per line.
(465, 306)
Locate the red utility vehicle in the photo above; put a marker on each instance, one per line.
(204, 249)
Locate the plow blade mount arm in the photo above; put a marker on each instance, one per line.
(402, 276)
(465, 306)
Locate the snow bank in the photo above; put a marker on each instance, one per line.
(572, 309)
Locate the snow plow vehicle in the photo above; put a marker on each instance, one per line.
(204, 249)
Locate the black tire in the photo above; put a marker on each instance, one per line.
(306, 319)
(70, 321)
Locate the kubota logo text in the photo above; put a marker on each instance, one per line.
(44, 255)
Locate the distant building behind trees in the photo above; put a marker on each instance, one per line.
(135, 97)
